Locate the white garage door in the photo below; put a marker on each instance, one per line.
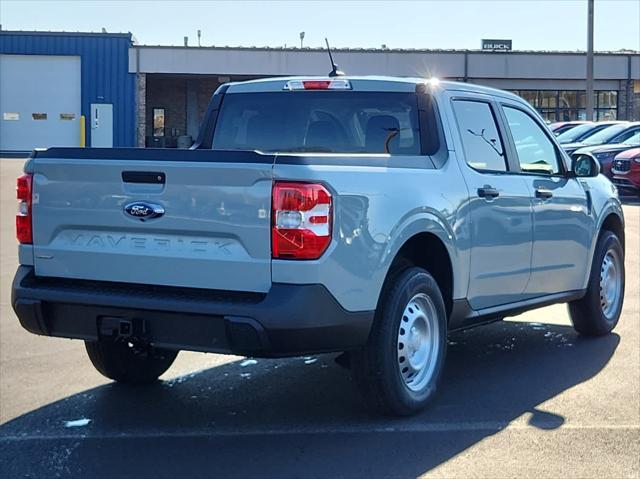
(39, 101)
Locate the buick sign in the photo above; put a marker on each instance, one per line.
(497, 45)
(143, 211)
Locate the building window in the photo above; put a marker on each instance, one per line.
(568, 105)
(39, 116)
(568, 99)
(607, 105)
(158, 122)
(531, 96)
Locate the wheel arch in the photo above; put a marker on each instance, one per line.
(431, 251)
(611, 219)
(613, 222)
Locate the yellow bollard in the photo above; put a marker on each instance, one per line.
(83, 134)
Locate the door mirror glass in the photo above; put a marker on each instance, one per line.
(585, 166)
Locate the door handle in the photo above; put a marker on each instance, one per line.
(543, 193)
(488, 192)
(149, 177)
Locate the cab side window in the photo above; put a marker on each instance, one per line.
(536, 152)
(482, 144)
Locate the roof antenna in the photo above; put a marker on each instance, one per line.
(334, 72)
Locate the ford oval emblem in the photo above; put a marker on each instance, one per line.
(143, 211)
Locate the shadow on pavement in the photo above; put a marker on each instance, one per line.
(292, 418)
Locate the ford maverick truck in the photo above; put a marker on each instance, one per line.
(366, 215)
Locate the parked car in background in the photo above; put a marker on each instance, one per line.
(625, 170)
(562, 126)
(579, 133)
(604, 154)
(612, 134)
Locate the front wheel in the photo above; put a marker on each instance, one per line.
(399, 369)
(598, 312)
(128, 362)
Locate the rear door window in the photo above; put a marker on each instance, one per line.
(483, 148)
(320, 122)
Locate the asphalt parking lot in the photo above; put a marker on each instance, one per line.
(524, 397)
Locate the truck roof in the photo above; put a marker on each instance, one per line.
(366, 83)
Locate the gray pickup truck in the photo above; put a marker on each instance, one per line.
(365, 215)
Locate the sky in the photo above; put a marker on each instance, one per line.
(438, 24)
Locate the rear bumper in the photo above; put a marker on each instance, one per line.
(288, 320)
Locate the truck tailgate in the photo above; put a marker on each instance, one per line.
(214, 232)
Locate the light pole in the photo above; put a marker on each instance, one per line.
(301, 38)
(590, 96)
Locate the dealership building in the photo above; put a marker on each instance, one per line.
(103, 89)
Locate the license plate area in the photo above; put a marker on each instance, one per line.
(162, 329)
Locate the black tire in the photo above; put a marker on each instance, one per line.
(134, 365)
(376, 367)
(587, 314)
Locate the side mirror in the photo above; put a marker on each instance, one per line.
(585, 166)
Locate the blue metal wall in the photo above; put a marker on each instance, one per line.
(105, 71)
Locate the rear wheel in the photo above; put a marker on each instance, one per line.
(128, 362)
(399, 369)
(598, 312)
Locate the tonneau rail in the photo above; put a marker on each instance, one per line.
(155, 154)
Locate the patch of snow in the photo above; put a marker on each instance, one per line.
(77, 423)
(183, 378)
(310, 360)
(248, 362)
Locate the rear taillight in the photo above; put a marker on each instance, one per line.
(301, 220)
(24, 233)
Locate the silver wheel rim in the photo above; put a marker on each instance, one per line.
(610, 283)
(418, 342)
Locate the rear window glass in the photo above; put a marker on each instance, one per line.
(319, 121)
